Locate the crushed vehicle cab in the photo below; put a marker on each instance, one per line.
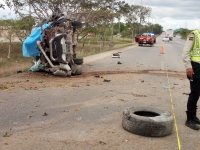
(147, 39)
(52, 44)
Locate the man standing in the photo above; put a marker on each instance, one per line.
(191, 59)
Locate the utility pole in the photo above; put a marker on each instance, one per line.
(140, 16)
(112, 18)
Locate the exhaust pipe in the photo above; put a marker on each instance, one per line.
(62, 66)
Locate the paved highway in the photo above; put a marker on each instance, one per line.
(40, 111)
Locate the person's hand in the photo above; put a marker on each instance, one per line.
(189, 72)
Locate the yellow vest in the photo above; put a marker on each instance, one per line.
(195, 52)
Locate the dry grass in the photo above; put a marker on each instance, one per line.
(92, 46)
(17, 62)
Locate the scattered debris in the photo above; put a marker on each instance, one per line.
(101, 142)
(138, 95)
(97, 76)
(121, 100)
(115, 55)
(73, 85)
(186, 93)
(64, 110)
(19, 71)
(75, 109)
(45, 114)
(79, 118)
(119, 62)
(105, 80)
(166, 87)
(6, 134)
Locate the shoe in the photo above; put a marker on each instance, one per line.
(196, 120)
(192, 124)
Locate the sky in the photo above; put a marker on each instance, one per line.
(170, 14)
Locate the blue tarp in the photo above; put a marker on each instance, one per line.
(29, 47)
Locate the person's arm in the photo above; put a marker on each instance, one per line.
(186, 55)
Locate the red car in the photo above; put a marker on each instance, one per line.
(147, 38)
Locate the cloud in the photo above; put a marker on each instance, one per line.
(173, 13)
(169, 14)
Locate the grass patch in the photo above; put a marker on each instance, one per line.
(16, 62)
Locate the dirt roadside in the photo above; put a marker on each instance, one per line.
(41, 111)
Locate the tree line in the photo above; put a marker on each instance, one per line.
(104, 18)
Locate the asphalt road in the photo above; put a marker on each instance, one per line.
(40, 111)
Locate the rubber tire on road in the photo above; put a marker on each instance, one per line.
(147, 121)
(78, 61)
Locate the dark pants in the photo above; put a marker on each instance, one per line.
(195, 89)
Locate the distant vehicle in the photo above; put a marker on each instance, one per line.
(170, 34)
(165, 39)
(137, 38)
(147, 38)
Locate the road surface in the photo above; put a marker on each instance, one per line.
(41, 111)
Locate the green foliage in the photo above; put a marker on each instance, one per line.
(184, 33)
(157, 29)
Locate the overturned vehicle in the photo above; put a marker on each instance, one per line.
(52, 43)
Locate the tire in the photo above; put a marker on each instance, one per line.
(77, 24)
(78, 61)
(147, 121)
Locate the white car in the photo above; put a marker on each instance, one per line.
(165, 39)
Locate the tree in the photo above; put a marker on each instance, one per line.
(157, 29)
(8, 32)
(23, 27)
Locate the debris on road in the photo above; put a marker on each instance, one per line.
(98, 76)
(6, 134)
(166, 87)
(101, 142)
(45, 114)
(184, 93)
(115, 55)
(105, 80)
(119, 62)
(19, 71)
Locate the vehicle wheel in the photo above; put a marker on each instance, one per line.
(155, 41)
(78, 61)
(77, 24)
(147, 121)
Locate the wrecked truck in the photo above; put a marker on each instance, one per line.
(52, 44)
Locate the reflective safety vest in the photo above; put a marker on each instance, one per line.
(195, 52)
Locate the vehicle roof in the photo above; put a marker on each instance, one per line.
(148, 34)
